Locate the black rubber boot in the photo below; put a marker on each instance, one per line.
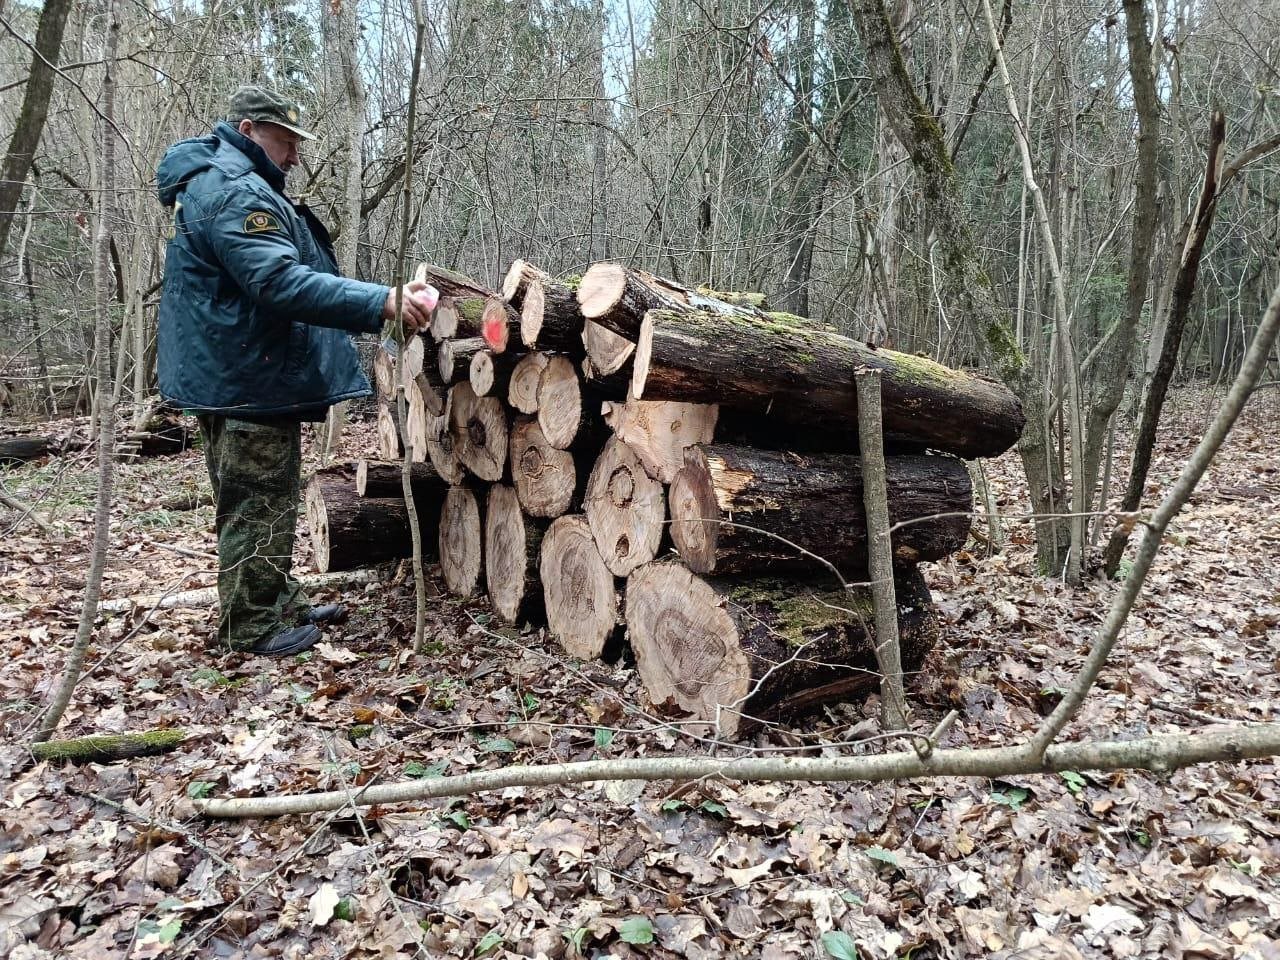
(287, 642)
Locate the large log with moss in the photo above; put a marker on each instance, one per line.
(737, 653)
(733, 507)
(784, 375)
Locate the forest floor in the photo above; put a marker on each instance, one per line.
(112, 861)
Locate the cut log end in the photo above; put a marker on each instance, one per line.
(695, 515)
(578, 589)
(481, 373)
(478, 426)
(686, 645)
(531, 313)
(643, 357)
(495, 326)
(625, 508)
(545, 478)
(461, 541)
(607, 351)
(602, 287)
(559, 402)
(522, 391)
(509, 557)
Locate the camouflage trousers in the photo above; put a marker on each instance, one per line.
(255, 469)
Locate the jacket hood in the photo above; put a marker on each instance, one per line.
(181, 162)
(226, 148)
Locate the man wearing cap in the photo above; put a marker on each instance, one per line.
(255, 337)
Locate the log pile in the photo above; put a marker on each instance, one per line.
(623, 453)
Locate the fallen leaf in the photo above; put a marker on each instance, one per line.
(323, 903)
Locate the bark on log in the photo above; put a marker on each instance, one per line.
(105, 748)
(511, 552)
(814, 502)
(458, 318)
(382, 478)
(560, 411)
(546, 479)
(618, 297)
(738, 653)
(625, 508)
(522, 391)
(551, 319)
(461, 541)
(660, 431)
(453, 358)
(578, 590)
(497, 324)
(491, 372)
(478, 426)
(384, 374)
(787, 375)
(349, 531)
(515, 284)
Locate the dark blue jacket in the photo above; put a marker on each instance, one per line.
(254, 319)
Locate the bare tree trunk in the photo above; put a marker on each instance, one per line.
(35, 109)
(965, 286)
(345, 40)
(102, 286)
(1112, 369)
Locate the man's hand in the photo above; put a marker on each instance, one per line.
(419, 300)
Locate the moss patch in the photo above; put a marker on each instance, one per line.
(798, 617)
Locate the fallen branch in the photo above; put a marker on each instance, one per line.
(207, 596)
(1158, 754)
(104, 748)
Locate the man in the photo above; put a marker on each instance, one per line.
(255, 337)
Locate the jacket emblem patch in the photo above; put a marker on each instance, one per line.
(261, 222)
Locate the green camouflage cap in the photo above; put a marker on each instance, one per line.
(266, 106)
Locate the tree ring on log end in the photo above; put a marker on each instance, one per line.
(695, 514)
(625, 507)
(578, 589)
(686, 644)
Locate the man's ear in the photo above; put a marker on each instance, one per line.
(245, 126)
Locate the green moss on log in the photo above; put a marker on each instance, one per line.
(797, 617)
(470, 309)
(106, 748)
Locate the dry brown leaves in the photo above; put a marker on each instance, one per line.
(110, 861)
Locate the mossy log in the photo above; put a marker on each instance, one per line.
(814, 502)
(104, 748)
(785, 374)
(737, 653)
(458, 317)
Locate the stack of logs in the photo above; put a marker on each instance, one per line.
(619, 451)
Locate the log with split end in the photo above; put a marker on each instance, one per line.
(511, 551)
(578, 589)
(625, 508)
(461, 541)
(478, 426)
